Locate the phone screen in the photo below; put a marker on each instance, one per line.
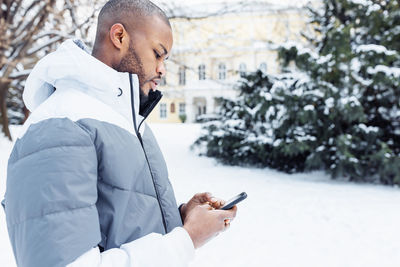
(233, 201)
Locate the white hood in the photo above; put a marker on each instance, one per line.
(72, 67)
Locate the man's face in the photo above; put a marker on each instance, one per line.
(149, 47)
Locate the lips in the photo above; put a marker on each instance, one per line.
(153, 84)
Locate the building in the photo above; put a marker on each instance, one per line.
(215, 46)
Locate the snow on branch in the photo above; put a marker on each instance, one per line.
(379, 49)
(20, 74)
(388, 71)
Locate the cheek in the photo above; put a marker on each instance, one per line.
(149, 69)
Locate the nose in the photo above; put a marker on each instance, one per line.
(161, 69)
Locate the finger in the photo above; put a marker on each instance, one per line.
(233, 210)
(203, 197)
(209, 197)
(228, 213)
(206, 206)
(217, 203)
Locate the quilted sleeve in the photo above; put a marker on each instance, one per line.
(51, 194)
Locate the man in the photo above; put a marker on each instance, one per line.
(87, 184)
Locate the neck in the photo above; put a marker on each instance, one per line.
(98, 53)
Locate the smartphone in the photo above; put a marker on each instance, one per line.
(233, 201)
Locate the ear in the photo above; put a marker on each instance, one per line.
(119, 36)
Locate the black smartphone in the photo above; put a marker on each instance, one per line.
(233, 201)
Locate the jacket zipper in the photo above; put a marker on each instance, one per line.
(144, 151)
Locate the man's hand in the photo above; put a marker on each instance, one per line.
(200, 199)
(203, 222)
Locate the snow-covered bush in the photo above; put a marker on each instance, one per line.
(338, 110)
(249, 130)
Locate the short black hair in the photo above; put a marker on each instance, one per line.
(122, 9)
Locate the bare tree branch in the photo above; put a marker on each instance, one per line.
(27, 27)
(15, 10)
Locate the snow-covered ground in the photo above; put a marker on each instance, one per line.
(287, 220)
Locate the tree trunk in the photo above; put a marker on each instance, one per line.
(3, 110)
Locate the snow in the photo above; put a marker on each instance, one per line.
(254, 110)
(330, 102)
(379, 49)
(361, 2)
(16, 74)
(266, 95)
(309, 108)
(306, 138)
(355, 68)
(316, 93)
(388, 71)
(301, 50)
(234, 123)
(351, 100)
(354, 160)
(368, 129)
(43, 44)
(373, 8)
(277, 142)
(324, 59)
(302, 220)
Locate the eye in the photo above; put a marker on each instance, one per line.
(157, 54)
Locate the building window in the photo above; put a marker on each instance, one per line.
(182, 75)
(201, 110)
(163, 81)
(172, 108)
(221, 71)
(182, 108)
(263, 67)
(242, 70)
(202, 72)
(163, 110)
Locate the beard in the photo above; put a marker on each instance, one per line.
(133, 64)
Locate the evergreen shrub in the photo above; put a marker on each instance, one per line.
(338, 109)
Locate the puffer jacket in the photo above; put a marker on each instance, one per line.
(83, 175)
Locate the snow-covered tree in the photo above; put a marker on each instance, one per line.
(264, 126)
(338, 106)
(28, 30)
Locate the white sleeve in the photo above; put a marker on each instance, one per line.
(173, 249)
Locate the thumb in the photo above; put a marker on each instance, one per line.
(224, 214)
